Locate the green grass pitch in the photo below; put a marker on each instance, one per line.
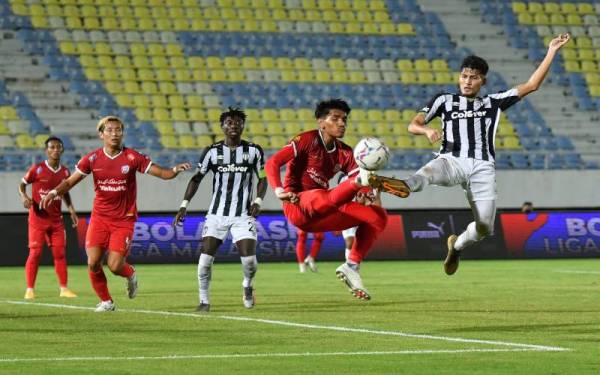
(492, 317)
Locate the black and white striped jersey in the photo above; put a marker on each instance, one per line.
(233, 173)
(469, 125)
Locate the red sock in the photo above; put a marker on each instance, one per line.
(100, 284)
(60, 265)
(366, 234)
(344, 192)
(126, 271)
(301, 246)
(316, 245)
(31, 266)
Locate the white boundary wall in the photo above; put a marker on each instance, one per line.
(550, 189)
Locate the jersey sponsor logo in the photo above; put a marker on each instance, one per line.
(124, 169)
(232, 168)
(467, 114)
(316, 177)
(44, 192)
(111, 184)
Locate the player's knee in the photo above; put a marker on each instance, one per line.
(485, 229)
(381, 218)
(35, 253)
(94, 266)
(115, 267)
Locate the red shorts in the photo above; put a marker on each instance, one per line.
(109, 235)
(49, 232)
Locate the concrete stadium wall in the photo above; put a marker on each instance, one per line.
(546, 189)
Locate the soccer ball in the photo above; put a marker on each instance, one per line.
(371, 154)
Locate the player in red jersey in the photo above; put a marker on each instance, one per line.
(46, 226)
(312, 159)
(114, 211)
(315, 247)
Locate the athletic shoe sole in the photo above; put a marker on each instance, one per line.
(356, 292)
(390, 185)
(453, 257)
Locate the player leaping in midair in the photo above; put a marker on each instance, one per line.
(312, 159)
(467, 153)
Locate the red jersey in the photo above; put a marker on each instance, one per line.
(114, 181)
(312, 165)
(44, 179)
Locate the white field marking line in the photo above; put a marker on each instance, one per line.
(313, 326)
(263, 355)
(575, 271)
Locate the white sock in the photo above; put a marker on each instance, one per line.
(249, 265)
(347, 254)
(204, 276)
(468, 237)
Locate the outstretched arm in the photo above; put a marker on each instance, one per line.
(273, 169)
(61, 189)
(536, 79)
(418, 127)
(167, 174)
(187, 197)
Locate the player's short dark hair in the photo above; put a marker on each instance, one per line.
(323, 107)
(232, 112)
(53, 138)
(476, 63)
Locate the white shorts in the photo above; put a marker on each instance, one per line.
(477, 177)
(241, 227)
(350, 232)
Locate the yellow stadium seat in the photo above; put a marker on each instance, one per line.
(266, 63)
(353, 28)
(551, 7)
(594, 90)
(179, 114)
(149, 87)
(110, 74)
(262, 141)
(444, 78)
(585, 54)
(137, 49)
(194, 101)
(167, 88)
(306, 76)
(336, 27)
(588, 67)
(163, 24)
(268, 26)
(405, 29)
(24, 141)
(305, 114)
(141, 101)
(374, 115)
(574, 20)
(165, 128)
(164, 75)
(535, 7)
(169, 141)
(8, 113)
(592, 78)
(196, 62)
(542, 19)
(340, 76)
(85, 48)
(255, 128)
(132, 87)
(392, 115)
(68, 48)
(583, 42)
(196, 114)
(161, 115)
(292, 128)
(123, 61)
(568, 54)
(439, 65)
(519, 7)
(94, 74)
(156, 49)
(322, 76)
(425, 78)
(357, 77)
(218, 75)
(200, 75)
(274, 128)
(525, 19)
(405, 65)
(422, 65)
(408, 78)
(204, 140)
(364, 128)
(114, 87)
(511, 142)
(128, 74)
(213, 62)
(408, 115)
(585, 8)
(568, 8)
(557, 20)
(269, 115)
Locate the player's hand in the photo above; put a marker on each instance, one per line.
(556, 43)
(27, 202)
(48, 198)
(254, 210)
(182, 167)
(180, 217)
(286, 196)
(74, 220)
(432, 135)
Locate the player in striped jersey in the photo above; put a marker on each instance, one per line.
(466, 156)
(234, 162)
